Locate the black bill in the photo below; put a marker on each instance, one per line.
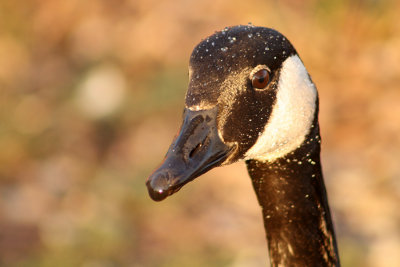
(196, 149)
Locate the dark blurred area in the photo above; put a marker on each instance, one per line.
(91, 95)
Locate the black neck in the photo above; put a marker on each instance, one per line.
(295, 208)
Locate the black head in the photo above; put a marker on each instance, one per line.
(241, 101)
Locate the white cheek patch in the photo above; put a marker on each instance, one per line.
(292, 115)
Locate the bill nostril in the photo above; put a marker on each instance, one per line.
(199, 147)
(195, 150)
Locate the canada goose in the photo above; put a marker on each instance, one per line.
(250, 98)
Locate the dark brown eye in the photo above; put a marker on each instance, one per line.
(260, 79)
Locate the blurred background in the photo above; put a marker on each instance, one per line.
(91, 95)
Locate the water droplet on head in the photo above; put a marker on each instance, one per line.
(250, 35)
(224, 49)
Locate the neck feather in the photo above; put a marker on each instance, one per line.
(295, 208)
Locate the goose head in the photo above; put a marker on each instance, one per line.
(249, 97)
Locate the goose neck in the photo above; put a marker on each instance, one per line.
(295, 209)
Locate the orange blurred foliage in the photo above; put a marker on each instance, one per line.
(91, 94)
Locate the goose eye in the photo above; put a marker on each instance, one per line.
(260, 79)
